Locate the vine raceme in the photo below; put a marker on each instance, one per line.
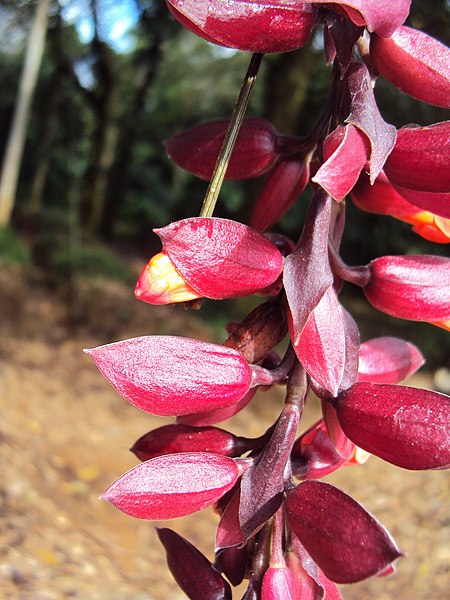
(281, 528)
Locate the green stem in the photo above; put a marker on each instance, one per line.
(212, 193)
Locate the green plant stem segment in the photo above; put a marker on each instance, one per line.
(212, 193)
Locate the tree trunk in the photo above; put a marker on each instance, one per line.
(28, 79)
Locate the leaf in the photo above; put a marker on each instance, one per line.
(263, 483)
(343, 35)
(346, 150)
(221, 258)
(307, 274)
(405, 426)
(196, 149)
(346, 542)
(169, 376)
(232, 562)
(414, 62)
(324, 361)
(419, 160)
(191, 569)
(388, 360)
(365, 116)
(229, 532)
(414, 287)
(257, 26)
(173, 486)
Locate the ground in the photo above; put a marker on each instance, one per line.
(64, 437)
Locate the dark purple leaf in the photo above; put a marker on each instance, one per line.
(323, 361)
(232, 562)
(307, 274)
(173, 486)
(192, 570)
(229, 532)
(406, 426)
(345, 153)
(344, 35)
(346, 542)
(263, 483)
(364, 115)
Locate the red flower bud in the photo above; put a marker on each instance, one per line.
(411, 287)
(282, 188)
(414, 62)
(419, 160)
(388, 360)
(173, 486)
(405, 426)
(220, 258)
(196, 149)
(345, 151)
(256, 26)
(346, 542)
(170, 439)
(170, 376)
(191, 569)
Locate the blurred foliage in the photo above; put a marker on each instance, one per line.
(13, 249)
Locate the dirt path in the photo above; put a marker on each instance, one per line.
(64, 436)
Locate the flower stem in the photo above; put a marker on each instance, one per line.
(212, 193)
(357, 275)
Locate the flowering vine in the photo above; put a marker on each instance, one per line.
(281, 528)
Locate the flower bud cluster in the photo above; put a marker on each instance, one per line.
(281, 528)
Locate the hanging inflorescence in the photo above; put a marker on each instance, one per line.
(288, 533)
